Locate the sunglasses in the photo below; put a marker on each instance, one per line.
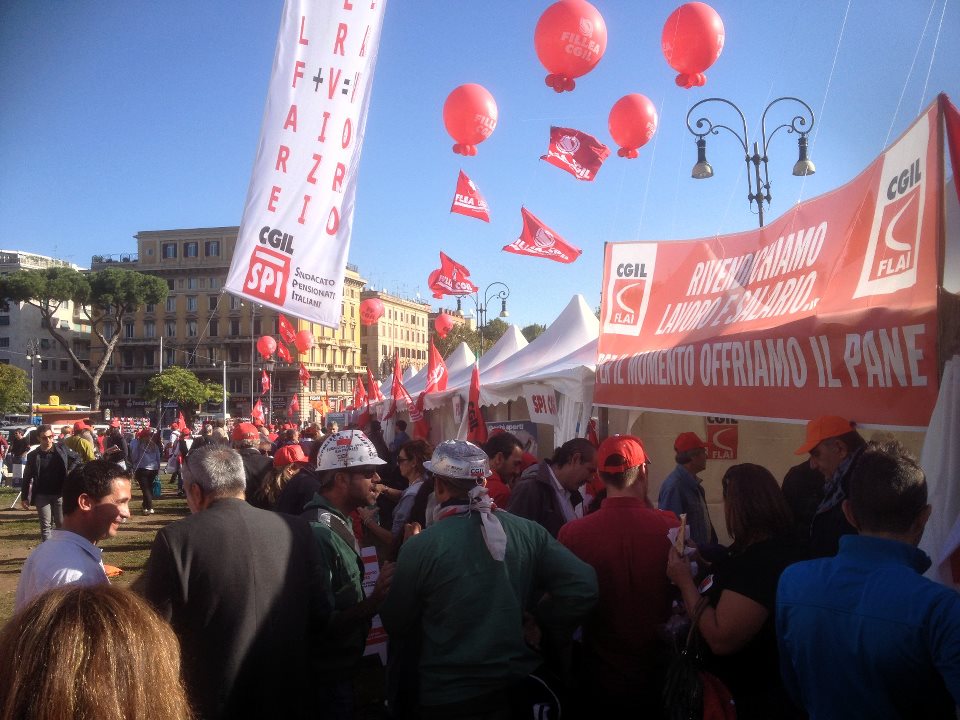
(48, 437)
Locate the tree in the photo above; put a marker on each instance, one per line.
(532, 332)
(14, 389)
(458, 334)
(104, 298)
(181, 386)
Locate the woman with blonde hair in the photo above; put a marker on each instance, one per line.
(90, 652)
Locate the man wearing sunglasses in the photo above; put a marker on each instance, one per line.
(43, 474)
(347, 465)
(834, 446)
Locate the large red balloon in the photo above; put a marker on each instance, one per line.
(443, 324)
(632, 122)
(266, 346)
(692, 40)
(570, 38)
(470, 116)
(303, 341)
(371, 310)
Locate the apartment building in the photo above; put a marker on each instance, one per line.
(404, 327)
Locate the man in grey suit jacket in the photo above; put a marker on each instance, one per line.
(244, 590)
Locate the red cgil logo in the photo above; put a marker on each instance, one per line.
(267, 276)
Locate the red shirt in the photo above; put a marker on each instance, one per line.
(626, 543)
(498, 490)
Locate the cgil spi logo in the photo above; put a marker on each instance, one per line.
(268, 273)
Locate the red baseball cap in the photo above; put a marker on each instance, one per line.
(115, 422)
(626, 446)
(824, 428)
(80, 426)
(289, 454)
(244, 431)
(688, 441)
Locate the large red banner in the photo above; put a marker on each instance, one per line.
(830, 309)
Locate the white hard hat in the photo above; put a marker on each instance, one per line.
(459, 460)
(350, 448)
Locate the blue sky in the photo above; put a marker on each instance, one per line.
(117, 117)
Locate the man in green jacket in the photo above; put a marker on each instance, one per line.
(469, 589)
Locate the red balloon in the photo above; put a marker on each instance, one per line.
(371, 310)
(303, 341)
(570, 38)
(470, 116)
(443, 324)
(266, 346)
(632, 122)
(692, 40)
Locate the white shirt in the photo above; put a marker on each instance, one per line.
(63, 559)
(563, 495)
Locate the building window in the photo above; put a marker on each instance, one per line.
(212, 302)
(191, 328)
(129, 387)
(4, 319)
(168, 250)
(170, 357)
(148, 358)
(234, 354)
(235, 385)
(192, 283)
(170, 329)
(256, 326)
(64, 386)
(214, 283)
(44, 364)
(190, 249)
(108, 330)
(214, 328)
(191, 303)
(149, 329)
(171, 304)
(4, 342)
(63, 366)
(234, 328)
(211, 248)
(127, 359)
(128, 330)
(235, 302)
(150, 308)
(170, 285)
(44, 385)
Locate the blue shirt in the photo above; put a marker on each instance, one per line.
(681, 493)
(865, 635)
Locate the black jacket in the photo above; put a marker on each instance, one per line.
(38, 485)
(534, 498)
(257, 469)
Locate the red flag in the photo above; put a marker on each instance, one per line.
(294, 407)
(287, 332)
(421, 428)
(436, 371)
(468, 200)
(451, 278)
(398, 391)
(264, 382)
(304, 374)
(359, 393)
(182, 421)
(257, 412)
(476, 426)
(579, 154)
(538, 240)
(283, 353)
(591, 433)
(375, 394)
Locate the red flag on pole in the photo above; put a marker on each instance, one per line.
(284, 353)
(436, 371)
(451, 278)
(182, 421)
(359, 393)
(264, 382)
(287, 332)
(579, 154)
(257, 412)
(476, 426)
(591, 433)
(538, 240)
(374, 395)
(398, 391)
(304, 374)
(421, 428)
(468, 200)
(294, 407)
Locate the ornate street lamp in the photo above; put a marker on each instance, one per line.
(490, 293)
(758, 189)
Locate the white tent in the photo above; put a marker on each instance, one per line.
(408, 373)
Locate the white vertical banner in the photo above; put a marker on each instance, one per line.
(294, 238)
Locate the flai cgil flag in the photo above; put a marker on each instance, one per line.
(286, 330)
(538, 240)
(257, 411)
(451, 278)
(283, 352)
(579, 154)
(304, 374)
(294, 407)
(468, 200)
(436, 371)
(294, 237)
(264, 382)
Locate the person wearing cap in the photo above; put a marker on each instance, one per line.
(96, 501)
(146, 464)
(682, 491)
(287, 462)
(115, 445)
(44, 472)
(863, 634)
(256, 467)
(243, 590)
(464, 587)
(549, 492)
(347, 464)
(505, 452)
(81, 442)
(834, 446)
(626, 542)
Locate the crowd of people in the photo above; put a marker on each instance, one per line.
(507, 586)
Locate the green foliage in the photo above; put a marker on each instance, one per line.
(124, 289)
(14, 389)
(532, 332)
(179, 385)
(493, 331)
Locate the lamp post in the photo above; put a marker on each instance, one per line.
(33, 355)
(268, 366)
(491, 292)
(758, 189)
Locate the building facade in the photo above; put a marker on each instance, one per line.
(404, 328)
(214, 334)
(23, 333)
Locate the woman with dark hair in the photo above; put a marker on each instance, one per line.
(90, 652)
(410, 457)
(737, 623)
